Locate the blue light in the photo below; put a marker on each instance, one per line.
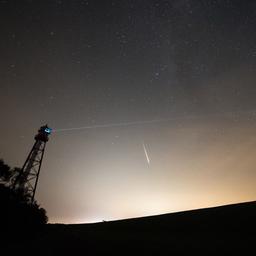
(48, 130)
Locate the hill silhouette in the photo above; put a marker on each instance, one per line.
(211, 231)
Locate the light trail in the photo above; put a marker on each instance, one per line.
(113, 125)
(146, 153)
(123, 124)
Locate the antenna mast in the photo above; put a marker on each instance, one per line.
(27, 179)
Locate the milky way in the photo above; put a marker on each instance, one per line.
(178, 75)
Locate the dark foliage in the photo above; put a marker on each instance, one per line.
(17, 214)
(5, 171)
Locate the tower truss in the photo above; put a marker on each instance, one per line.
(27, 178)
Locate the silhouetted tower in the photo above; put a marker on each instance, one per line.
(27, 179)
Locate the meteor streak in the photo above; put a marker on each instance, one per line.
(146, 153)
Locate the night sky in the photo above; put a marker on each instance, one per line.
(187, 68)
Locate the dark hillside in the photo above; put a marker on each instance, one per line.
(212, 231)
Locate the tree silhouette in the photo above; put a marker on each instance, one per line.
(17, 212)
(5, 172)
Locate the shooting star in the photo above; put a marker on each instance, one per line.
(146, 153)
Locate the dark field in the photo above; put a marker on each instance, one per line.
(213, 231)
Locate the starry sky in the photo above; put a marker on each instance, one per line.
(189, 64)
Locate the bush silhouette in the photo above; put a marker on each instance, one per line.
(17, 212)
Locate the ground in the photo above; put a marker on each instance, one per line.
(213, 231)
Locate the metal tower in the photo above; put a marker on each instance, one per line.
(27, 178)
